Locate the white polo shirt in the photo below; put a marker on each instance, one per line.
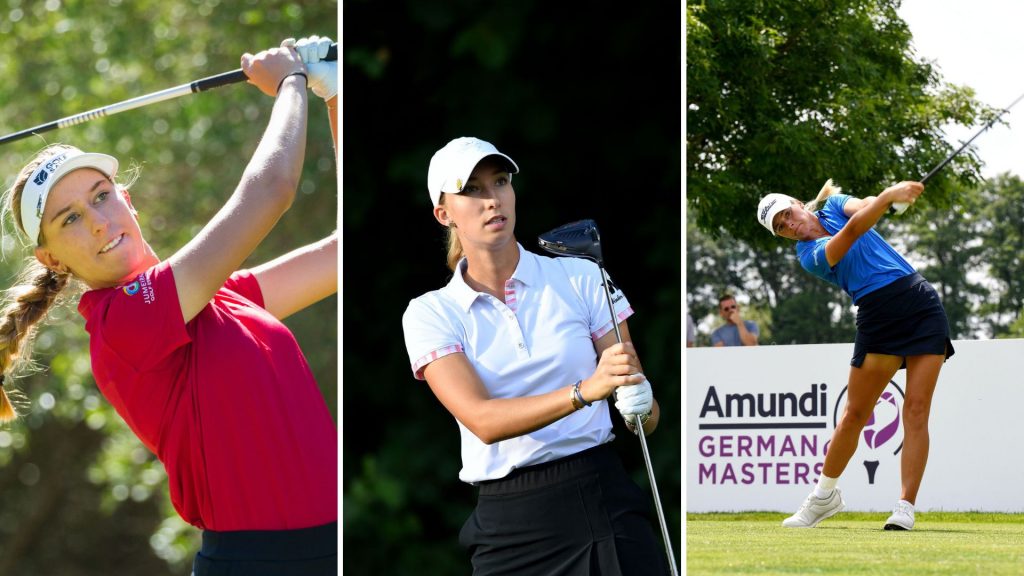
(540, 339)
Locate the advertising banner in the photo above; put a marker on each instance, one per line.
(759, 420)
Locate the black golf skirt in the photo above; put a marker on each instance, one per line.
(304, 552)
(579, 516)
(905, 318)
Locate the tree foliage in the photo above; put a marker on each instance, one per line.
(784, 95)
(79, 495)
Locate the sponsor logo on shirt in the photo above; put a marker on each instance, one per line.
(141, 284)
(616, 295)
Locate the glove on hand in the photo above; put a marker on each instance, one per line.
(323, 74)
(635, 400)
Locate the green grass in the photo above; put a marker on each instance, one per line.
(854, 543)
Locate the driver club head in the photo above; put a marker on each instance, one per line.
(580, 238)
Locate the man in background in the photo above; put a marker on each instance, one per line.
(736, 331)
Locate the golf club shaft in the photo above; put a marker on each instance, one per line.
(643, 438)
(900, 207)
(203, 84)
(966, 144)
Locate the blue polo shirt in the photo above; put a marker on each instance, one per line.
(870, 264)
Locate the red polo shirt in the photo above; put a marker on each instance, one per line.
(226, 401)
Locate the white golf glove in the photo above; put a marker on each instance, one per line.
(323, 74)
(635, 400)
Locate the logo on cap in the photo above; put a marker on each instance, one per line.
(764, 211)
(458, 184)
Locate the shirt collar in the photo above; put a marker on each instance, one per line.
(527, 272)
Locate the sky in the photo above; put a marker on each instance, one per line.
(978, 44)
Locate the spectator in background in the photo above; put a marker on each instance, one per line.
(691, 332)
(736, 331)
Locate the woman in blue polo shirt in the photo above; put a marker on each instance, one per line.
(520, 349)
(900, 324)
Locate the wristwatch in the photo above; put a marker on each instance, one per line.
(643, 420)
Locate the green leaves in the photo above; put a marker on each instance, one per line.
(783, 95)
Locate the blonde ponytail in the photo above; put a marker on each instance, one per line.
(27, 302)
(455, 251)
(24, 306)
(827, 190)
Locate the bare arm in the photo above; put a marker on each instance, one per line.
(864, 214)
(457, 385)
(747, 338)
(265, 192)
(608, 340)
(300, 278)
(332, 117)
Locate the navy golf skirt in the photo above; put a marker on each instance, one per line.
(581, 515)
(303, 552)
(905, 318)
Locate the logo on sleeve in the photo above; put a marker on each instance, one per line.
(143, 285)
(616, 294)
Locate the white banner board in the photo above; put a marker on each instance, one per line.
(758, 421)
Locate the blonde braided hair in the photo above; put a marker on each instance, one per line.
(32, 296)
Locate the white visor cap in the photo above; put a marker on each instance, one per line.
(771, 205)
(46, 176)
(451, 166)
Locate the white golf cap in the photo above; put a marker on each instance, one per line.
(451, 166)
(49, 172)
(771, 205)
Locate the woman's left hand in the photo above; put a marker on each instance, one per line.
(323, 74)
(905, 192)
(633, 400)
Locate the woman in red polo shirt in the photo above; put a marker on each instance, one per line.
(190, 350)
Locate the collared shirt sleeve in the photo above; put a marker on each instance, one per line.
(429, 335)
(812, 257)
(585, 276)
(245, 284)
(139, 323)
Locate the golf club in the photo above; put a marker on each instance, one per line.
(581, 239)
(201, 85)
(901, 207)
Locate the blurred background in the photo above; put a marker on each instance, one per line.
(587, 102)
(79, 495)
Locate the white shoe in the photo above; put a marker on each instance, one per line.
(902, 517)
(815, 509)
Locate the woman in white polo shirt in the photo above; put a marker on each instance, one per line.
(520, 348)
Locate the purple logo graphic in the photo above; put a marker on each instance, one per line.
(883, 426)
(886, 410)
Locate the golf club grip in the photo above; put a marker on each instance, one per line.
(236, 76)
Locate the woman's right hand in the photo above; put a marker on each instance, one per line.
(618, 366)
(268, 69)
(904, 192)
